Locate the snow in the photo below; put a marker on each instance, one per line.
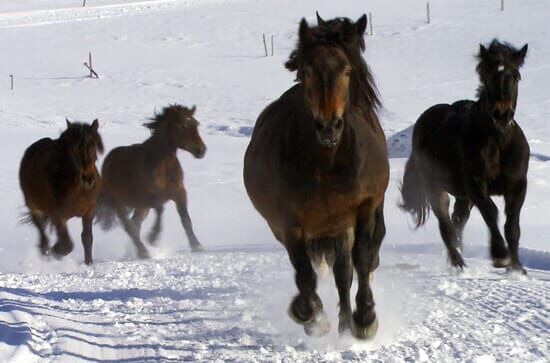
(229, 303)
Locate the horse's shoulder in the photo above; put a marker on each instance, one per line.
(281, 106)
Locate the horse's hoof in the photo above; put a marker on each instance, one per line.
(501, 262)
(45, 251)
(61, 250)
(318, 326)
(364, 333)
(153, 238)
(344, 325)
(143, 254)
(197, 248)
(89, 262)
(456, 259)
(516, 268)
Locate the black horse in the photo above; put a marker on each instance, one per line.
(472, 150)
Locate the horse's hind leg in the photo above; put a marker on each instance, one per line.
(40, 222)
(138, 217)
(461, 214)
(64, 245)
(440, 205)
(181, 203)
(87, 239)
(371, 230)
(306, 307)
(514, 201)
(131, 229)
(154, 233)
(343, 276)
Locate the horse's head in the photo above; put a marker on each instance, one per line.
(178, 124)
(324, 68)
(83, 143)
(498, 69)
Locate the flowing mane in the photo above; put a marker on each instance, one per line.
(172, 113)
(340, 33)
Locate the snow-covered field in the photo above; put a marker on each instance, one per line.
(229, 303)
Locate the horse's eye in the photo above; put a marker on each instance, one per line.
(348, 72)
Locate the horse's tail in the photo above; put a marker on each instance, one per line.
(413, 193)
(105, 213)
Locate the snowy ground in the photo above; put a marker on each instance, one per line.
(229, 303)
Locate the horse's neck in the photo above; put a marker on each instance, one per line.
(482, 122)
(159, 148)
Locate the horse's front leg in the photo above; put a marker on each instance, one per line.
(513, 199)
(489, 212)
(370, 231)
(87, 238)
(343, 276)
(306, 307)
(181, 203)
(64, 245)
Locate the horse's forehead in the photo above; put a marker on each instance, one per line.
(330, 58)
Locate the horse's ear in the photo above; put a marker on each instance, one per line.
(193, 109)
(320, 21)
(95, 125)
(361, 25)
(67, 122)
(519, 56)
(304, 31)
(482, 51)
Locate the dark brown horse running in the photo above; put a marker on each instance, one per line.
(473, 150)
(147, 175)
(59, 180)
(317, 169)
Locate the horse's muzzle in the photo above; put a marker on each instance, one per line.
(199, 152)
(88, 181)
(503, 116)
(329, 142)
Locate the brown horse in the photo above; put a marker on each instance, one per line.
(317, 169)
(147, 175)
(59, 180)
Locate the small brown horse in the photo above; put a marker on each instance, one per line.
(147, 175)
(59, 180)
(317, 169)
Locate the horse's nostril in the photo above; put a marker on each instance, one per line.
(319, 125)
(339, 123)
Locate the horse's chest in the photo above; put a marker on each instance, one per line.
(327, 204)
(490, 162)
(82, 201)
